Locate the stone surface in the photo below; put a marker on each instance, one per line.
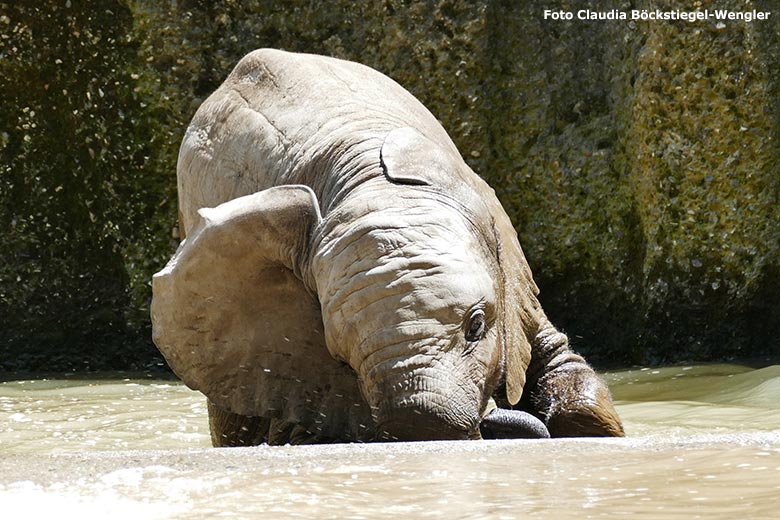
(638, 160)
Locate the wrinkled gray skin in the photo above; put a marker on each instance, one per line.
(347, 277)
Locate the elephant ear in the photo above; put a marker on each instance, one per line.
(234, 320)
(408, 157)
(522, 312)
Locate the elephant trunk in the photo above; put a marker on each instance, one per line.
(512, 424)
(414, 389)
(425, 404)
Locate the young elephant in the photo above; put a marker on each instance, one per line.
(347, 277)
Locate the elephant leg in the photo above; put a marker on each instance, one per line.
(565, 392)
(230, 429)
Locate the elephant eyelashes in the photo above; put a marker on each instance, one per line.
(476, 326)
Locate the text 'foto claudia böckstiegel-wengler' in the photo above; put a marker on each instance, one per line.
(657, 14)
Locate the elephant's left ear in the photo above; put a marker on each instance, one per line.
(522, 312)
(234, 319)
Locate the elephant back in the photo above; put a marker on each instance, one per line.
(285, 118)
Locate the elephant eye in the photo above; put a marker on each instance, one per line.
(476, 326)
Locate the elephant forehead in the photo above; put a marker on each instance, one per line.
(439, 281)
(439, 236)
(425, 246)
(387, 221)
(424, 262)
(437, 287)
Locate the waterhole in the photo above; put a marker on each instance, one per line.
(702, 442)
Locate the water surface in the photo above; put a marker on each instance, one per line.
(702, 442)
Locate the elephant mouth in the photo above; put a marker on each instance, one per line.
(412, 425)
(501, 423)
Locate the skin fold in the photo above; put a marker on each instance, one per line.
(347, 277)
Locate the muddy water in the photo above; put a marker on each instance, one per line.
(703, 442)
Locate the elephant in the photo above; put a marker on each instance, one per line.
(345, 276)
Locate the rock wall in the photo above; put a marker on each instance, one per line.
(638, 160)
(650, 152)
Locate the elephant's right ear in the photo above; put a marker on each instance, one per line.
(407, 157)
(234, 320)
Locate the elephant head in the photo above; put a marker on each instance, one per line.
(424, 293)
